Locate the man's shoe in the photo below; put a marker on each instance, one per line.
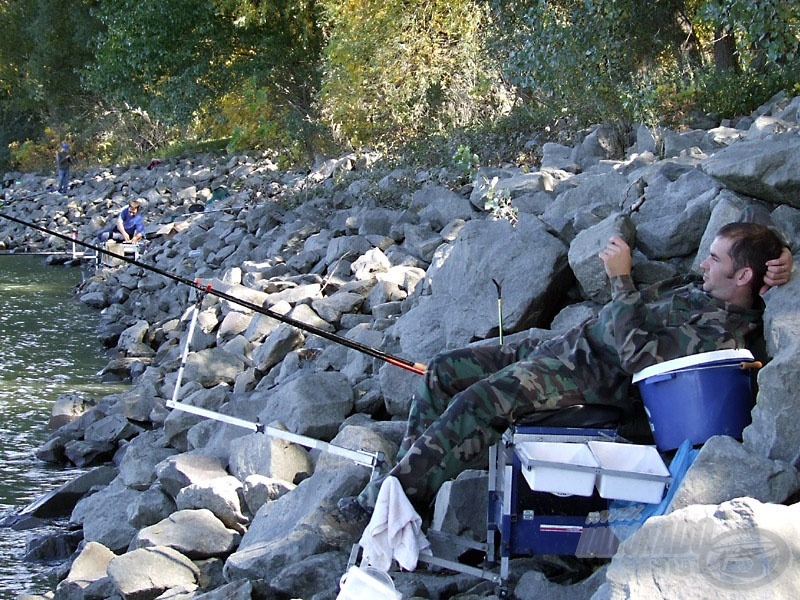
(344, 524)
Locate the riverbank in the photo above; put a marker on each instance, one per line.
(403, 261)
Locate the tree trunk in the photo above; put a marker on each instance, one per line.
(725, 57)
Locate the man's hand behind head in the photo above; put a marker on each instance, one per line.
(779, 271)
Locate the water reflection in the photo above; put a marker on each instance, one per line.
(48, 346)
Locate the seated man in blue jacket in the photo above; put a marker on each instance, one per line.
(128, 228)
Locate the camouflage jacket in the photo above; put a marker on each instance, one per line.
(637, 329)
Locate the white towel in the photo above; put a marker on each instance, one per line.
(394, 531)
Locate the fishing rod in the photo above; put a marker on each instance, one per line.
(403, 363)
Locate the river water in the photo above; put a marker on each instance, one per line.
(48, 346)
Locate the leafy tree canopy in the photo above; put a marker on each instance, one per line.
(295, 75)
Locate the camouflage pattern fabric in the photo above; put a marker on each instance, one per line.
(471, 396)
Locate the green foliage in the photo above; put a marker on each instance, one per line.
(627, 60)
(30, 157)
(15, 125)
(727, 94)
(498, 202)
(395, 69)
(767, 32)
(36, 156)
(466, 161)
(432, 78)
(163, 57)
(253, 118)
(573, 57)
(43, 45)
(42, 49)
(246, 71)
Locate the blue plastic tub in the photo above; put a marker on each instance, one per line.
(696, 397)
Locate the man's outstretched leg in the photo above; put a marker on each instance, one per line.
(473, 420)
(448, 374)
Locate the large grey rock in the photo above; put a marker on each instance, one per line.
(222, 496)
(312, 577)
(583, 251)
(213, 366)
(775, 430)
(237, 291)
(278, 344)
(258, 490)
(288, 530)
(150, 507)
(461, 281)
(509, 183)
(558, 156)
(738, 549)
(440, 206)
(359, 365)
(146, 573)
(460, 507)
(765, 169)
(235, 590)
(233, 324)
(176, 472)
(66, 408)
(94, 299)
(104, 516)
(89, 566)
(138, 403)
(133, 335)
(313, 404)
(178, 421)
(534, 585)
(84, 453)
(61, 501)
(194, 533)
(602, 142)
(673, 218)
(259, 454)
(724, 470)
(598, 195)
(142, 454)
(331, 308)
(677, 143)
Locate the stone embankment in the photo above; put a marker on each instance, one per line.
(188, 507)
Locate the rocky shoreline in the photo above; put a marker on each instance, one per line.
(178, 506)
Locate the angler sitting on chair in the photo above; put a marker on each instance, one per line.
(472, 395)
(128, 227)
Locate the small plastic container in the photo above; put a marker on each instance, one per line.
(558, 467)
(367, 583)
(696, 397)
(630, 472)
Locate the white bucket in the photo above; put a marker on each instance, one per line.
(368, 583)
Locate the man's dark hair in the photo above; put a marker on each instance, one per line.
(752, 245)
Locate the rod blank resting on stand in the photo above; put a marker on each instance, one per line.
(403, 363)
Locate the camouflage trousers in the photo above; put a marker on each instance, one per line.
(468, 399)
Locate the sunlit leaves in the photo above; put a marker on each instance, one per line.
(397, 68)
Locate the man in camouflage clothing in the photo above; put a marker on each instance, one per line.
(472, 395)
